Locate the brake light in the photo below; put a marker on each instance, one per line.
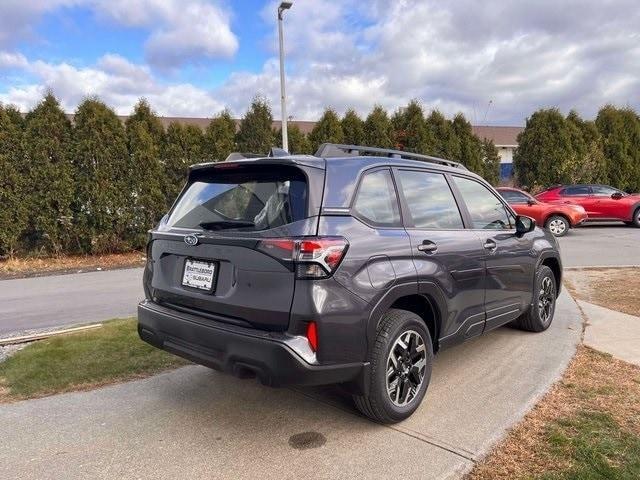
(312, 257)
(312, 335)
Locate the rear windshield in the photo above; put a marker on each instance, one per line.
(244, 198)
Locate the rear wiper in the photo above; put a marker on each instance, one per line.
(224, 224)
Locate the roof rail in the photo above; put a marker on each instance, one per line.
(338, 150)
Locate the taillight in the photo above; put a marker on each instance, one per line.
(312, 257)
(312, 335)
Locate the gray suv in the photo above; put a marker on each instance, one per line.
(352, 267)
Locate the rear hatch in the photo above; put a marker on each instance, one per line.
(205, 257)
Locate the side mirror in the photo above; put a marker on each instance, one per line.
(531, 202)
(616, 196)
(524, 224)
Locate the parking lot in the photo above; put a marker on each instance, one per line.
(197, 423)
(601, 244)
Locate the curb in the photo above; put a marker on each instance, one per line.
(41, 336)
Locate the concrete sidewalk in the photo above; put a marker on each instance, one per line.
(612, 332)
(198, 424)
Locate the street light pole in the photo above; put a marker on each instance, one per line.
(283, 103)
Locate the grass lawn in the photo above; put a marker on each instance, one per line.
(586, 428)
(81, 361)
(19, 267)
(612, 288)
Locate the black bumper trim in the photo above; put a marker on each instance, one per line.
(237, 350)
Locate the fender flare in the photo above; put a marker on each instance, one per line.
(543, 256)
(429, 290)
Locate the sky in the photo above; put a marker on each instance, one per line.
(496, 61)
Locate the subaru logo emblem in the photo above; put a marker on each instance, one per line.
(191, 240)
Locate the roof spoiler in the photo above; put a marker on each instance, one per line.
(274, 152)
(328, 150)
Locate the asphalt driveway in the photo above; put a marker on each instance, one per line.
(196, 423)
(59, 300)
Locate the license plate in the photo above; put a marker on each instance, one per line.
(199, 274)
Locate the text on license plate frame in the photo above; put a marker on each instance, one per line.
(206, 284)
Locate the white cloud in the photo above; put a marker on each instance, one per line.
(12, 60)
(454, 56)
(117, 82)
(182, 31)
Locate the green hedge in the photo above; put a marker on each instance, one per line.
(97, 185)
(554, 149)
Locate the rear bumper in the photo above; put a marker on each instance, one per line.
(275, 358)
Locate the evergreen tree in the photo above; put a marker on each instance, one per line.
(48, 173)
(12, 194)
(299, 143)
(147, 175)
(620, 130)
(469, 147)
(101, 203)
(327, 130)
(378, 131)
(544, 149)
(15, 116)
(410, 129)
(446, 143)
(352, 128)
(255, 134)
(589, 165)
(182, 147)
(220, 137)
(491, 162)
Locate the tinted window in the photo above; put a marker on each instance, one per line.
(487, 212)
(512, 196)
(576, 191)
(249, 199)
(376, 202)
(429, 200)
(603, 191)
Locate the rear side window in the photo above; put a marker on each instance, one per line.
(575, 191)
(429, 200)
(487, 212)
(246, 199)
(376, 201)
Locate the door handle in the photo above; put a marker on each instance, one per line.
(490, 245)
(428, 247)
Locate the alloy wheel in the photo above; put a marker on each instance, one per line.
(546, 299)
(406, 367)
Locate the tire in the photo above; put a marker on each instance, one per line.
(557, 225)
(378, 404)
(636, 218)
(540, 315)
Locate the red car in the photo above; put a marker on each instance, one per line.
(600, 201)
(557, 218)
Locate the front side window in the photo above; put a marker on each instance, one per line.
(602, 191)
(376, 201)
(513, 197)
(429, 200)
(487, 212)
(250, 199)
(577, 191)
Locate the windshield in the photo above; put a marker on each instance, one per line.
(249, 199)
